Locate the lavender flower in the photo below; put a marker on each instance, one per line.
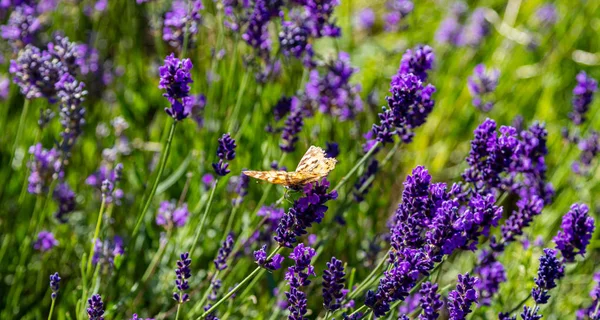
(72, 114)
(106, 181)
(183, 273)
(44, 166)
(319, 18)
(175, 78)
(590, 147)
(36, 73)
(481, 85)
(197, 106)
(305, 211)
(240, 187)
(332, 149)
(21, 27)
(551, 270)
(67, 52)
(417, 61)
(333, 283)
(135, 316)
(364, 183)
(430, 300)
(293, 126)
(409, 105)
(294, 41)
(182, 21)
(520, 219)
(45, 241)
(332, 93)
(397, 10)
(476, 29)
(105, 252)
(4, 88)
(65, 198)
(451, 28)
(491, 274)
(506, 316)
(260, 257)
(365, 19)
(591, 312)
(282, 107)
(576, 231)
(169, 215)
(225, 152)
(224, 252)
(460, 299)
(95, 310)
(531, 313)
(583, 93)
(257, 33)
(54, 284)
(297, 277)
(546, 15)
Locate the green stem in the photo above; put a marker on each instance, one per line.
(238, 102)
(203, 221)
(230, 222)
(51, 309)
(96, 233)
(20, 129)
(367, 280)
(178, 308)
(161, 168)
(358, 165)
(156, 258)
(238, 287)
(518, 306)
(358, 310)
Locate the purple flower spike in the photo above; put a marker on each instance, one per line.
(297, 277)
(293, 126)
(21, 27)
(481, 85)
(224, 252)
(366, 19)
(590, 147)
(531, 313)
(95, 310)
(430, 300)
(417, 61)
(45, 166)
(183, 273)
(183, 18)
(225, 152)
(260, 257)
(576, 231)
(583, 93)
(65, 199)
(45, 241)
(54, 284)
(333, 283)
(461, 299)
(169, 215)
(175, 78)
(550, 271)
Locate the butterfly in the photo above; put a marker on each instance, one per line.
(313, 166)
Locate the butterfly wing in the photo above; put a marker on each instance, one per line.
(316, 163)
(288, 179)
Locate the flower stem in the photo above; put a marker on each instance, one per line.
(230, 222)
(20, 129)
(51, 309)
(161, 168)
(238, 102)
(358, 165)
(518, 306)
(367, 281)
(203, 221)
(358, 310)
(178, 308)
(96, 233)
(239, 286)
(156, 258)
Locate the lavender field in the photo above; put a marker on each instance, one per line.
(299, 159)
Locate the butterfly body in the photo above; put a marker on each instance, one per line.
(313, 166)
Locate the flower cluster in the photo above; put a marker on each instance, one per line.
(183, 273)
(396, 11)
(65, 199)
(576, 232)
(257, 33)
(45, 166)
(54, 284)
(106, 180)
(583, 93)
(417, 61)
(169, 215)
(551, 269)
(333, 284)
(430, 301)
(461, 299)
(592, 312)
(182, 21)
(175, 79)
(459, 29)
(225, 152)
(305, 211)
(95, 311)
(71, 94)
(319, 18)
(21, 27)
(224, 252)
(293, 126)
(408, 107)
(332, 93)
(297, 277)
(105, 252)
(481, 85)
(45, 241)
(294, 41)
(491, 274)
(589, 147)
(260, 257)
(240, 188)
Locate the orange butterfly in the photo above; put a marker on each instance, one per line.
(313, 166)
